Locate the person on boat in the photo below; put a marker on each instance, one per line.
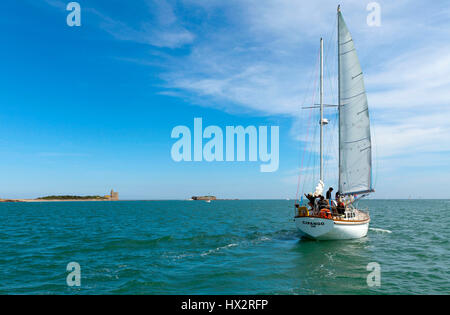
(323, 203)
(338, 195)
(340, 208)
(311, 200)
(329, 193)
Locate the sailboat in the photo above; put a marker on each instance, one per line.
(355, 152)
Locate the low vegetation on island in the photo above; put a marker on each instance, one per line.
(203, 198)
(69, 197)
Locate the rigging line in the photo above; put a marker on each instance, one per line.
(315, 129)
(328, 48)
(307, 135)
(330, 68)
(305, 177)
(311, 157)
(310, 81)
(326, 58)
(308, 175)
(331, 147)
(330, 136)
(316, 157)
(333, 69)
(312, 164)
(375, 152)
(303, 156)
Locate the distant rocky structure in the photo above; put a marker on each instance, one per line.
(204, 198)
(10, 200)
(114, 195)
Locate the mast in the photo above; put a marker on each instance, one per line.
(339, 95)
(321, 109)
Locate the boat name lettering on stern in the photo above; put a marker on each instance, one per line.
(236, 140)
(313, 224)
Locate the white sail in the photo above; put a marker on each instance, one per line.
(355, 153)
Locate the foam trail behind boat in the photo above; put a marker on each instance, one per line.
(380, 230)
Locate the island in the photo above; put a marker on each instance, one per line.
(204, 198)
(113, 196)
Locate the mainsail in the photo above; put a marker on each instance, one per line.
(355, 152)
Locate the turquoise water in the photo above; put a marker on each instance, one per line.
(222, 247)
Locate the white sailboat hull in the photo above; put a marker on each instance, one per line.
(328, 229)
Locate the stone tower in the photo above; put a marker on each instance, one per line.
(114, 195)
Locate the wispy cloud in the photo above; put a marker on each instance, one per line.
(418, 80)
(57, 4)
(162, 28)
(61, 154)
(266, 67)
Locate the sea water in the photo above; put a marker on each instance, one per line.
(222, 247)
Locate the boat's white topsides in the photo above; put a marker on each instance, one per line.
(354, 224)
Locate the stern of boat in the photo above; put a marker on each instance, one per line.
(351, 226)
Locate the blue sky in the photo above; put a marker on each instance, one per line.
(86, 109)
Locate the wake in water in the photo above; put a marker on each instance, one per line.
(380, 230)
(217, 249)
(248, 240)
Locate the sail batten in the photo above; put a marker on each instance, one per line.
(355, 150)
(362, 192)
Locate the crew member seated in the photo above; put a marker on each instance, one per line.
(323, 204)
(340, 208)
